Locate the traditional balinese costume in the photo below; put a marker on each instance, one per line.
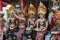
(31, 15)
(11, 17)
(55, 25)
(41, 23)
(21, 28)
(11, 33)
(30, 22)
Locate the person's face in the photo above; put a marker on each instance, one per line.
(41, 15)
(31, 16)
(21, 25)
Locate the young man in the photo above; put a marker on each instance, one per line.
(41, 23)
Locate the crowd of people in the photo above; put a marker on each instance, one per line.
(29, 25)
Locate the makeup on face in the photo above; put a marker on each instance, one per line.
(41, 14)
(21, 24)
(31, 15)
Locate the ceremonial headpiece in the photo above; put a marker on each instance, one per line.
(41, 8)
(10, 8)
(31, 9)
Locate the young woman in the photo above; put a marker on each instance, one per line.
(30, 22)
(11, 17)
(31, 16)
(41, 23)
(55, 26)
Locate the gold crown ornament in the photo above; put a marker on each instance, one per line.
(56, 12)
(42, 8)
(31, 9)
(10, 8)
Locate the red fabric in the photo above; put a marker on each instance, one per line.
(0, 5)
(52, 23)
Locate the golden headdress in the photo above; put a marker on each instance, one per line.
(10, 8)
(41, 8)
(31, 9)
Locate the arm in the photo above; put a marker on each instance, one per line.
(15, 15)
(18, 17)
(46, 26)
